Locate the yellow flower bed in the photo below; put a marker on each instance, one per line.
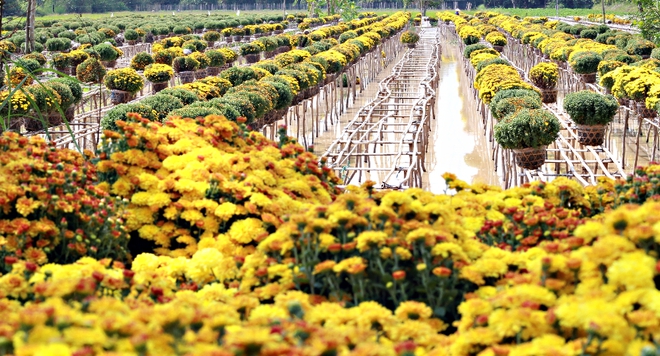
(275, 260)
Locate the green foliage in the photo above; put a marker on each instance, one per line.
(512, 105)
(63, 91)
(141, 60)
(120, 112)
(185, 64)
(347, 36)
(74, 86)
(58, 44)
(589, 33)
(585, 62)
(486, 63)
(194, 112)
(107, 52)
(473, 47)
(513, 93)
(527, 128)
(163, 104)
(238, 75)
(187, 97)
(590, 108)
(131, 35)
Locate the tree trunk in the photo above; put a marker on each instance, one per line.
(29, 26)
(602, 2)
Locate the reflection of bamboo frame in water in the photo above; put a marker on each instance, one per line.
(389, 136)
(567, 157)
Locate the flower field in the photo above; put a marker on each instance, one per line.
(201, 237)
(187, 232)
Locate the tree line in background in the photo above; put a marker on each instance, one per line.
(18, 7)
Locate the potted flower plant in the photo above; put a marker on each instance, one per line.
(131, 36)
(410, 38)
(90, 71)
(591, 112)
(123, 83)
(185, 67)
(159, 75)
(108, 54)
(497, 40)
(528, 132)
(203, 64)
(228, 35)
(585, 63)
(252, 51)
(210, 37)
(62, 62)
(216, 60)
(545, 75)
(44, 100)
(141, 60)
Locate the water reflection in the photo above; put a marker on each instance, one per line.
(457, 142)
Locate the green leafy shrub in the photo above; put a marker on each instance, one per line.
(163, 104)
(585, 62)
(512, 105)
(589, 108)
(58, 44)
(90, 71)
(141, 60)
(120, 112)
(74, 86)
(527, 128)
(473, 47)
(216, 58)
(185, 64)
(107, 52)
(186, 96)
(131, 35)
(514, 93)
(194, 112)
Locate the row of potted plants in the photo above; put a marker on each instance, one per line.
(522, 124)
(262, 91)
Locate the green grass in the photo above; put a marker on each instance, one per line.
(617, 9)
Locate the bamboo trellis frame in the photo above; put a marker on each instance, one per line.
(388, 137)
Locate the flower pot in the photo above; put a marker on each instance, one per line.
(588, 78)
(132, 42)
(646, 56)
(246, 38)
(591, 135)
(549, 95)
(237, 38)
(210, 44)
(109, 64)
(200, 74)
(252, 58)
(277, 32)
(447, 22)
(411, 45)
(212, 71)
(643, 111)
(120, 96)
(498, 48)
(187, 77)
(229, 39)
(530, 158)
(156, 87)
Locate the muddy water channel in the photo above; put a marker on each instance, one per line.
(457, 143)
